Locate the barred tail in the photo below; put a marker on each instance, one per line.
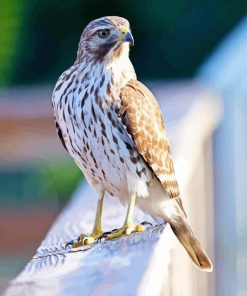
(191, 244)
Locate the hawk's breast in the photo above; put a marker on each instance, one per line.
(94, 135)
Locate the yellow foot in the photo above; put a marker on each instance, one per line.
(84, 240)
(125, 230)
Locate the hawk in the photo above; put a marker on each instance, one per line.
(112, 126)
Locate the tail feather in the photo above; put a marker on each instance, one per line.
(191, 244)
(180, 203)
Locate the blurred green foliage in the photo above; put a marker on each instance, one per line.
(12, 19)
(60, 179)
(39, 38)
(50, 183)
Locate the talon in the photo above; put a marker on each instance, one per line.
(69, 243)
(144, 223)
(104, 235)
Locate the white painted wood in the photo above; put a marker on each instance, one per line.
(226, 72)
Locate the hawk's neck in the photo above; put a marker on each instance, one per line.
(91, 80)
(120, 71)
(107, 77)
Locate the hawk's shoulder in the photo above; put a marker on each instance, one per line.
(141, 114)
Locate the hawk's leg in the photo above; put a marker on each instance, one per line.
(128, 227)
(97, 229)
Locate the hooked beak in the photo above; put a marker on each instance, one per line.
(127, 36)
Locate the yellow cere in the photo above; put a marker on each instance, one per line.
(123, 30)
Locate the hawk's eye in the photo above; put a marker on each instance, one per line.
(103, 33)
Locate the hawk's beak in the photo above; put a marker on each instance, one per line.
(127, 36)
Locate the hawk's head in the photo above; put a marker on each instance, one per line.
(105, 38)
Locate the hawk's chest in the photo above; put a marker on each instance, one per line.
(101, 130)
(93, 133)
(95, 137)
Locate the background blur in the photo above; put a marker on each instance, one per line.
(38, 41)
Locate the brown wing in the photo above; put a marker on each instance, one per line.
(142, 117)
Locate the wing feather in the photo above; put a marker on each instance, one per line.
(141, 115)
